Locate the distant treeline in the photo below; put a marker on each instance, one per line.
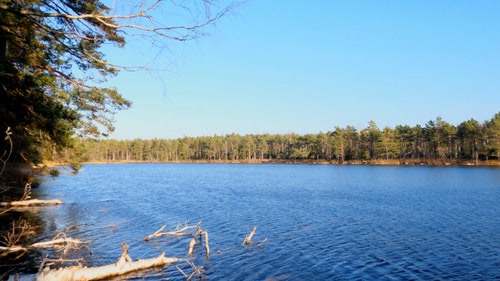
(436, 140)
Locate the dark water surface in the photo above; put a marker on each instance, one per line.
(322, 222)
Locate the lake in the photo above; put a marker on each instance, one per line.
(322, 222)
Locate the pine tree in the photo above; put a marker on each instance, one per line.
(52, 67)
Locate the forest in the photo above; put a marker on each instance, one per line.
(436, 142)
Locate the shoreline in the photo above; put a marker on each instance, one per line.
(393, 162)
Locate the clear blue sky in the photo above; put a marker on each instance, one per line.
(309, 66)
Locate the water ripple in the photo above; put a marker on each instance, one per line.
(321, 222)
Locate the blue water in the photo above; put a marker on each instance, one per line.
(322, 222)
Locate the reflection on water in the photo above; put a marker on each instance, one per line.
(322, 222)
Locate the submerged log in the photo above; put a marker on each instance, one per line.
(124, 265)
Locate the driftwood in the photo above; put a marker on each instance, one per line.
(124, 265)
(31, 203)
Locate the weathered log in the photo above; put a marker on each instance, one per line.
(248, 238)
(31, 202)
(124, 265)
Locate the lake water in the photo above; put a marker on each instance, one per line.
(322, 222)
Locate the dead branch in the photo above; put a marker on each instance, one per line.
(197, 270)
(124, 265)
(248, 238)
(27, 192)
(61, 242)
(7, 153)
(181, 271)
(12, 249)
(262, 242)
(13, 238)
(202, 233)
(124, 257)
(179, 231)
(207, 248)
(155, 234)
(192, 242)
(20, 231)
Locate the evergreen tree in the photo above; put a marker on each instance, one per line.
(52, 67)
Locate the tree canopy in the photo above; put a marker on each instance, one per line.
(52, 67)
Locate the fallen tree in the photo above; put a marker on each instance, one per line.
(124, 265)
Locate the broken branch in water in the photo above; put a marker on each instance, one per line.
(248, 238)
(196, 270)
(207, 248)
(262, 242)
(202, 233)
